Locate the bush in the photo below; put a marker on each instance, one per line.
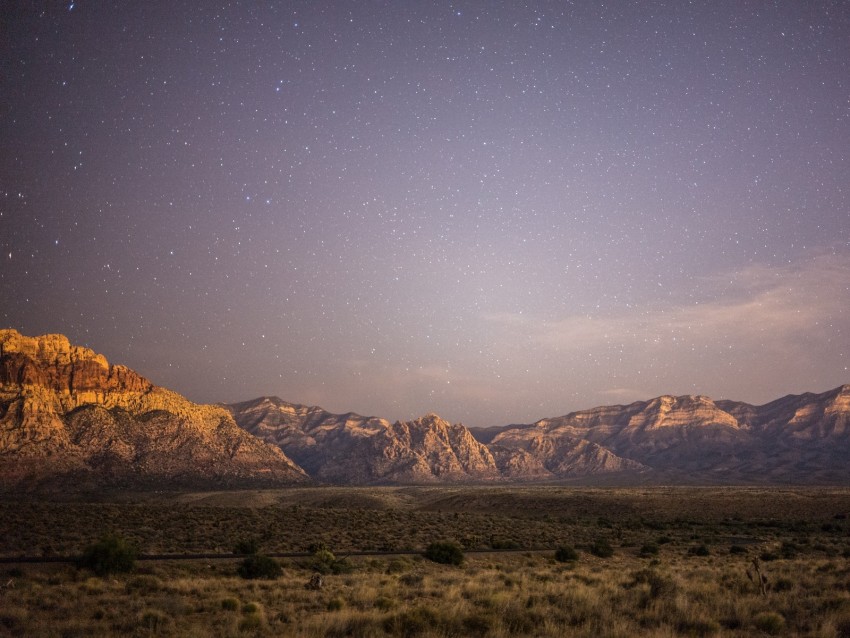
(769, 622)
(229, 604)
(110, 555)
(602, 548)
(565, 554)
(247, 546)
(446, 553)
(325, 562)
(649, 549)
(259, 566)
(698, 550)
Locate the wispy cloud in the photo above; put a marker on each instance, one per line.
(759, 305)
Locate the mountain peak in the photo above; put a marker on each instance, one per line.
(65, 410)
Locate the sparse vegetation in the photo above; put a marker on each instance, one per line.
(633, 592)
(112, 554)
(566, 554)
(445, 552)
(259, 566)
(601, 547)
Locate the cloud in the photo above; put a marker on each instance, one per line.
(758, 306)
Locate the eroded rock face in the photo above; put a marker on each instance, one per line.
(798, 438)
(349, 448)
(65, 410)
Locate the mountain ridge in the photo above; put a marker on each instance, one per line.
(68, 417)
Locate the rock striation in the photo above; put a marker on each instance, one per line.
(803, 438)
(68, 416)
(353, 449)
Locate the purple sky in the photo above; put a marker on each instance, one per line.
(495, 211)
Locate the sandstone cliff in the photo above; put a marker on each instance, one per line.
(349, 448)
(64, 411)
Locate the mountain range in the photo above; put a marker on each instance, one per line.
(69, 419)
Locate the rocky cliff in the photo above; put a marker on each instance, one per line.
(349, 448)
(803, 438)
(65, 412)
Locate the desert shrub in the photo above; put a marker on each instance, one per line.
(324, 562)
(565, 554)
(412, 580)
(445, 553)
(259, 566)
(783, 584)
(660, 586)
(697, 627)
(229, 604)
(768, 556)
(601, 547)
(503, 543)
(769, 622)
(384, 603)
(477, 625)
(251, 622)
(412, 622)
(737, 549)
(247, 546)
(398, 566)
(144, 584)
(699, 550)
(649, 549)
(335, 604)
(112, 554)
(154, 620)
(788, 549)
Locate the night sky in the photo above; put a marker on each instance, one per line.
(494, 211)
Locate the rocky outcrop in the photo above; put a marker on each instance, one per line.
(803, 438)
(531, 454)
(67, 415)
(349, 448)
(64, 411)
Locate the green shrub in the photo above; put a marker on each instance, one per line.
(445, 552)
(602, 548)
(566, 554)
(259, 566)
(324, 562)
(112, 554)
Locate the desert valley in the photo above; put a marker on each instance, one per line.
(676, 515)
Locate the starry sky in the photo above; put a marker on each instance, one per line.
(498, 212)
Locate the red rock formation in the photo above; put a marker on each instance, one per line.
(64, 409)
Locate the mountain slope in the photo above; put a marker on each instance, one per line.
(349, 448)
(64, 411)
(803, 438)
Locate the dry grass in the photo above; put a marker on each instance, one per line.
(674, 592)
